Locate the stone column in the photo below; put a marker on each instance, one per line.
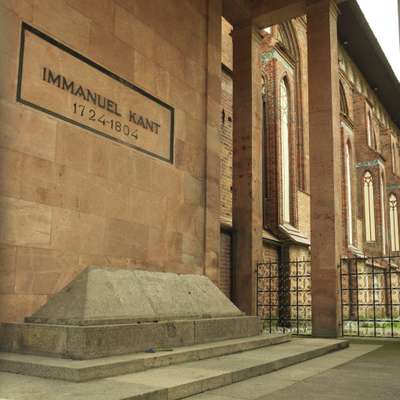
(213, 101)
(247, 210)
(325, 166)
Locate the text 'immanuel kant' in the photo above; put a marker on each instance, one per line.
(97, 99)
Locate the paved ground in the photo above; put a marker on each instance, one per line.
(374, 375)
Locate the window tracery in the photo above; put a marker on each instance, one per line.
(349, 195)
(394, 223)
(371, 135)
(285, 150)
(383, 214)
(369, 210)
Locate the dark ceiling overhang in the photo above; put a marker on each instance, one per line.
(357, 38)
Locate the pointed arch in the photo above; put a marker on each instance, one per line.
(383, 208)
(288, 40)
(369, 207)
(369, 129)
(371, 137)
(394, 223)
(288, 43)
(349, 193)
(344, 109)
(266, 181)
(284, 107)
(395, 157)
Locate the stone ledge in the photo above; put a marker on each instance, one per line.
(89, 342)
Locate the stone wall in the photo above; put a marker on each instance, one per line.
(69, 198)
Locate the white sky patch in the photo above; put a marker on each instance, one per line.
(382, 16)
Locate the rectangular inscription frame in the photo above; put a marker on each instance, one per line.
(26, 27)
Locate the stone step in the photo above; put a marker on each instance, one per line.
(178, 382)
(175, 381)
(85, 370)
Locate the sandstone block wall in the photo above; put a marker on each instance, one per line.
(69, 198)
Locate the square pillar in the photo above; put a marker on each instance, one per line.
(213, 101)
(325, 166)
(247, 146)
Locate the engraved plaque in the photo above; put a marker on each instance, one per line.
(61, 82)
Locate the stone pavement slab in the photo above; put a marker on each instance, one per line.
(19, 387)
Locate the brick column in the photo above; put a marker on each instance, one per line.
(325, 165)
(247, 210)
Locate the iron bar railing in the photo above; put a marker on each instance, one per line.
(370, 296)
(284, 296)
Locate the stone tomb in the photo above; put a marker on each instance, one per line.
(108, 311)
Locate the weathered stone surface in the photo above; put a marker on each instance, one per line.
(207, 330)
(85, 370)
(33, 338)
(178, 381)
(110, 295)
(100, 341)
(87, 196)
(110, 311)
(97, 294)
(95, 341)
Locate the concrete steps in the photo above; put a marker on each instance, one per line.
(181, 380)
(85, 370)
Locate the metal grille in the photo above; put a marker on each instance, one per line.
(370, 301)
(284, 296)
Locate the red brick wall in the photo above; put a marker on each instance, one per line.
(225, 134)
(225, 263)
(356, 92)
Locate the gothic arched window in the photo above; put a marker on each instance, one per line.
(395, 158)
(349, 195)
(289, 45)
(265, 153)
(394, 223)
(369, 210)
(285, 150)
(371, 138)
(383, 214)
(344, 109)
